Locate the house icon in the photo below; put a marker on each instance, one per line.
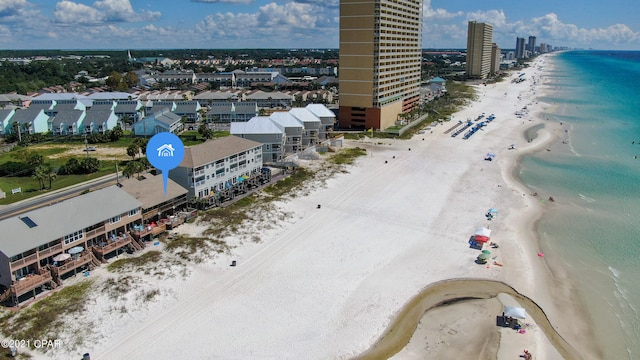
(165, 150)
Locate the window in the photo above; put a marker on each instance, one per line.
(114, 219)
(73, 237)
(133, 212)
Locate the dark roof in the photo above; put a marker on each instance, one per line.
(102, 107)
(186, 107)
(126, 107)
(244, 107)
(67, 117)
(97, 116)
(64, 107)
(26, 115)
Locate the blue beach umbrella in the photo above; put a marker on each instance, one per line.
(75, 250)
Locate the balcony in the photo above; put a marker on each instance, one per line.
(154, 231)
(30, 282)
(112, 245)
(52, 250)
(20, 263)
(71, 264)
(95, 232)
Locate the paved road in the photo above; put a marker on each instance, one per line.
(55, 196)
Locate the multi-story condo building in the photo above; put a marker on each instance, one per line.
(479, 40)
(265, 131)
(380, 61)
(217, 164)
(293, 130)
(520, 48)
(495, 58)
(40, 247)
(311, 123)
(531, 46)
(326, 116)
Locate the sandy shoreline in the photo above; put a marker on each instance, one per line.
(327, 283)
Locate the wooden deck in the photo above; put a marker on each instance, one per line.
(72, 264)
(26, 284)
(112, 245)
(159, 229)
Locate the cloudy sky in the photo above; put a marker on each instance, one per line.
(148, 24)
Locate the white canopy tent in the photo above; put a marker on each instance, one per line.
(515, 312)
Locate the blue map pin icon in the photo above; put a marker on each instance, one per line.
(165, 152)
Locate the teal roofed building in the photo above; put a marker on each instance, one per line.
(161, 121)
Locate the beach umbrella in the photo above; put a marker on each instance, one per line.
(493, 211)
(486, 252)
(515, 312)
(75, 250)
(484, 257)
(481, 239)
(61, 257)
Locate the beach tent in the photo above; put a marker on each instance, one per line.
(515, 312)
(482, 235)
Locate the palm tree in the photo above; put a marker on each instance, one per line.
(133, 150)
(51, 177)
(132, 168)
(39, 173)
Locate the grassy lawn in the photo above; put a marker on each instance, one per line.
(190, 138)
(29, 186)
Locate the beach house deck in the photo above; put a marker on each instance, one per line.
(28, 284)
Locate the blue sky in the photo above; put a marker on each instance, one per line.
(148, 24)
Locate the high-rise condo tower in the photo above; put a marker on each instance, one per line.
(380, 61)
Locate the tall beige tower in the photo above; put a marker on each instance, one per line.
(479, 41)
(380, 61)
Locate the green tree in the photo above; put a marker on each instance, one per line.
(131, 79)
(114, 80)
(89, 165)
(51, 177)
(116, 133)
(205, 131)
(40, 173)
(133, 167)
(133, 150)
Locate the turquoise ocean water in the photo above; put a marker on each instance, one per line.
(593, 227)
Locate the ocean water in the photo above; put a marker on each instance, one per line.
(593, 227)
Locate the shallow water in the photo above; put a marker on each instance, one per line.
(594, 176)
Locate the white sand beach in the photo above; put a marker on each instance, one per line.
(327, 283)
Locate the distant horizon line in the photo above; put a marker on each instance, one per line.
(288, 49)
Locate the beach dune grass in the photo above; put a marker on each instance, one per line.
(45, 318)
(347, 156)
(137, 262)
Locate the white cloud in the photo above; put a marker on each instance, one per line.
(68, 12)
(295, 15)
(225, 1)
(102, 11)
(551, 27)
(429, 13)
(5, 34)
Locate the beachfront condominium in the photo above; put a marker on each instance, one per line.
(531, 46)
(479, 45)
(496, 57)
(520, 48)
(380, 61)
